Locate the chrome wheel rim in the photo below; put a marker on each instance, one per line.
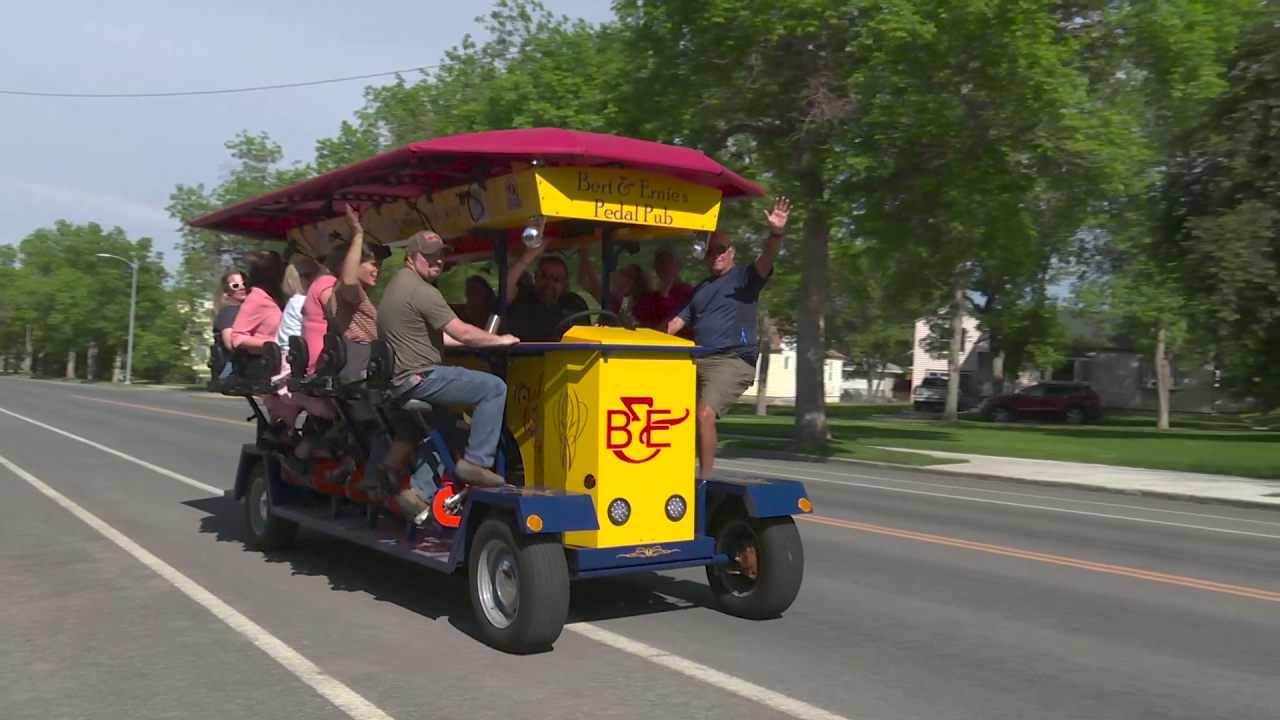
(499, 584)
(258, 507)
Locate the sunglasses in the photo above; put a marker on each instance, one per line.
(236, 285)
(550, 276)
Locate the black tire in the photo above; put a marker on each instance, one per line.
(541, 581)
(779, 564)
(1075, 416)
(1001, 415)
(267, 532)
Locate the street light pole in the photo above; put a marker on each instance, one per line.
(133, 306)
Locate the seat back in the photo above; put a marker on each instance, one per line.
(299, 355)
(218, 358)
(255, 372)
(382, 363)
(333, 356)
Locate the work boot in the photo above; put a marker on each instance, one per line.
(476, 475)
(412, 504)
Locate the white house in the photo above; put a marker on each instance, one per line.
(781, 383)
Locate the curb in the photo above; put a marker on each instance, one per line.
(931, 470)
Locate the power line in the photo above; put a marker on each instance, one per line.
(218, 92)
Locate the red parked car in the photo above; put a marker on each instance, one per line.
(1074, 403)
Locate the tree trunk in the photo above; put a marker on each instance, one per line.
(997, 371)
(765, 345)
(28, 353)
(71, 364)
(952, 413)
(91, 363)
(1163, 379)
(811, 342)
(815, 261)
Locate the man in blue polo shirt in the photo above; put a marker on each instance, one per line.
(722, 313)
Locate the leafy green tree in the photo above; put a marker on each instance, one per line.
(72, 299)
(1222, 222)
(206, 254)
(983, 147)
(765, 87)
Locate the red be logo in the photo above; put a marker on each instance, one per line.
(620, 436)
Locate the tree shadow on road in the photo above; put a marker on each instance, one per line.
(386, 578)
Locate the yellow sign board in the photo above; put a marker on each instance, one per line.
(626, 197)
(636, 199)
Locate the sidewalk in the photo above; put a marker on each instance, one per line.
(1112, 478)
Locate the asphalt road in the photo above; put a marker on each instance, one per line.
(925, 597)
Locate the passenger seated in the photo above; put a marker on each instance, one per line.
(416, 322)
(232, 293)
(258, 319)
(532, 314)
(481, 304)
(628, 285)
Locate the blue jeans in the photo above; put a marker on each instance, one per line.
(451, 385)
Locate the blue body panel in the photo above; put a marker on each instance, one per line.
(560, 510)
(590, 562)
(762, 497)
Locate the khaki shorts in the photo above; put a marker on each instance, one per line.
(721, 381)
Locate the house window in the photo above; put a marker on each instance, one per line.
(1084, 371)
(964, 339)
(786, 362)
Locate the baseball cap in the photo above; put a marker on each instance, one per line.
(425, 242)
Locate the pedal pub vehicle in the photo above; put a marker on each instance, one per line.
(598, 448)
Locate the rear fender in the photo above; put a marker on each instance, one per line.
(760, 497)
(250, 456)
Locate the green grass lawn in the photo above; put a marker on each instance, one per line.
(1247, 453)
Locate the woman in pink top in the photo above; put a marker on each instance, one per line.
(258, 320)
(259, 316)
(314, 322)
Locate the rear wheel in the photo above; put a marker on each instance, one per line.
(519, 587)
(766, 566)
(1001, 415)
(1075, 416)
(267, 532)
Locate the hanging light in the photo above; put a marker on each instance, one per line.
(700, 243)
(533, 232)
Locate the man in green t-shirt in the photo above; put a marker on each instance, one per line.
(415, 320)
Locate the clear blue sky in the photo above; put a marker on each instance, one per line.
(115, 161)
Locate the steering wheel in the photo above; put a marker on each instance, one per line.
(569, 321)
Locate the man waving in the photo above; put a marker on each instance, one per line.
(723, 314)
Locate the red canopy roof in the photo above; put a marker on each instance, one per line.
(432, 165)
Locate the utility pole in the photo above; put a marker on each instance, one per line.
(133, 306)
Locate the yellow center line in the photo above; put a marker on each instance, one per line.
(1254, 593)
(240, 423)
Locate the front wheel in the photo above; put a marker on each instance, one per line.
(267, 532)
(519, 587)
(765, 568)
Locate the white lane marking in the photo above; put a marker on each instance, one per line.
(684, 666)
(1022, 505)
(715, 678)
(332, 689)
(154, 468)
(991, 491)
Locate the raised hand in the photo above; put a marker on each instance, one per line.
(778, 216)
(353, 219)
